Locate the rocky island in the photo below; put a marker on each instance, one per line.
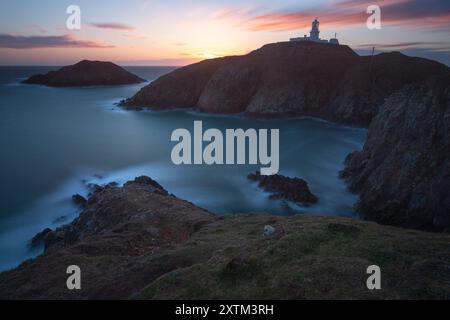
(84, 74)
(138, 241)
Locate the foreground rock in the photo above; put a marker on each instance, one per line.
(289, 79)
(403, 172)
(86, 73)
(281, 187)
(138, 241)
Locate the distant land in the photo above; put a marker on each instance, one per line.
(86, 73)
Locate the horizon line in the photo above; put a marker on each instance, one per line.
(60, 65)
(360, 51)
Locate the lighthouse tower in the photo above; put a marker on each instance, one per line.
(314, 33)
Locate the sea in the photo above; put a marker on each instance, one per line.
(54, 142)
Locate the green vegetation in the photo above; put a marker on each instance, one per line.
(315, 258)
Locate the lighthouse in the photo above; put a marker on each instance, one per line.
(314, 35)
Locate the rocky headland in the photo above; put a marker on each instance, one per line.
(84, 74)
(138, 241)
(289, 79)
(402, 175)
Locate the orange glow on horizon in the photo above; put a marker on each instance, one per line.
(156, 34)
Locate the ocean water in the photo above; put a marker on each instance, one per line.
(54, 141)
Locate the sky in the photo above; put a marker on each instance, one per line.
(179, 32)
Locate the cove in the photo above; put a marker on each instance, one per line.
(58, 140)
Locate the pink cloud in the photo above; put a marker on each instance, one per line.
(114, 26)
(348, 13)
(32, 42)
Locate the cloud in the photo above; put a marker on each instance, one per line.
(113, 26)
(441, 55)
(347, 13)
(32, 42)
(39, 28)
(429, 45)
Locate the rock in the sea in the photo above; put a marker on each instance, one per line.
(402, 174)
(93, 187)
(281, 187)
(79, 200)
(39, 237)
(289, 79)
(86, 73)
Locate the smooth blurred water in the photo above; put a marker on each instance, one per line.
(54, 140)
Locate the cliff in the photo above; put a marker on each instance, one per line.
(403, 172)
(289, 79)
(86, 73)
(138, 241)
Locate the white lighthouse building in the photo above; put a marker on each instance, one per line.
(314, 35)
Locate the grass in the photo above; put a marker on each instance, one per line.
(318, 257)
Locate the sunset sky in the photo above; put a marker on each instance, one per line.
(178, 32)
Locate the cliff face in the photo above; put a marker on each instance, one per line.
(289, 79)
(86, 73)
(403, 172)
(138, 241)
(179, 89)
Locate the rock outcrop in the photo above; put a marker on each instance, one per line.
(110, 208)
(403, 172)
(86, 73)
(138, 241)
(289, 79)
(79, 200)
(39, 238)
(285, 188)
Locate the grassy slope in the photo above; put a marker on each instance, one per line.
(317, 258)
